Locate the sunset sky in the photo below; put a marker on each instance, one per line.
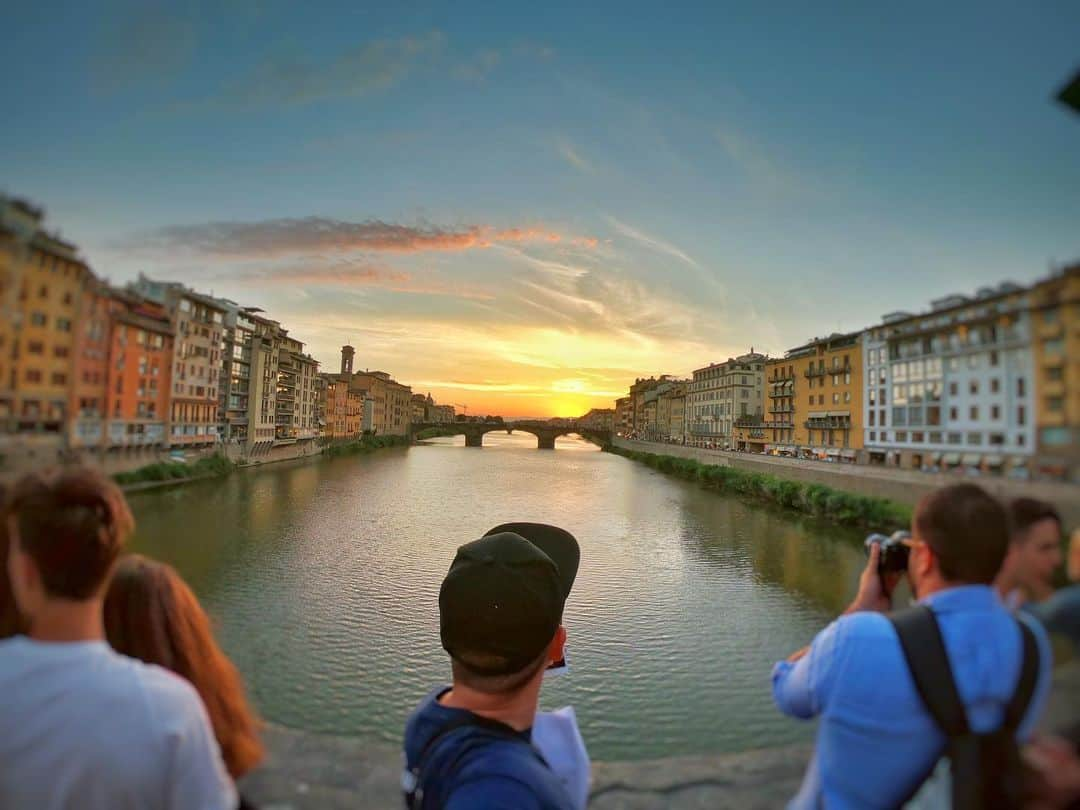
(523, 209)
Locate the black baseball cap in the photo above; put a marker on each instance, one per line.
(502, 599)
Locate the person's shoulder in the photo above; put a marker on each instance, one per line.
(863, 626)
(506, 774)
(171, 701)
(495, 792)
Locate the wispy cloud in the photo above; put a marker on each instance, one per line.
(346, 275)
(479, 65)
(363, 69)
(277, 237)
(149, 42)
(754, 160)
(571, 155)
(652, 242)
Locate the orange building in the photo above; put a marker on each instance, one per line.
(344, 408)
(90, 371)
(41, 362)
(140, 363)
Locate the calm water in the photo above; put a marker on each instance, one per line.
(323, 578)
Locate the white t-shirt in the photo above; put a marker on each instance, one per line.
(84, 727)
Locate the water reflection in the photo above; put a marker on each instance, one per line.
(323, 577)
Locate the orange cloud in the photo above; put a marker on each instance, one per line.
(280, 237)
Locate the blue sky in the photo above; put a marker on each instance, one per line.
(523, 208)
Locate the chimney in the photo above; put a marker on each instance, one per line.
(347, 353)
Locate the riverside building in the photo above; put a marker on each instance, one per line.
(721, 393)
(953, 387)
(199, 324)
(1055, 315)
(815, 400)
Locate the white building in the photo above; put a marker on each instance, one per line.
(952, 387)
(720, 393)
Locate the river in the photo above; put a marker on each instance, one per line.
(323, 580)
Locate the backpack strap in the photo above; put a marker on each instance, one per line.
(413, 779)
(924, 649)
(1025, 687)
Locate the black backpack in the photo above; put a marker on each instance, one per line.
(986, 768)
(415, 780)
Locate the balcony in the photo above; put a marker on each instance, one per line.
(829, 423)
(781, 378)
(782, 409)
(814, 371)
(748, 421)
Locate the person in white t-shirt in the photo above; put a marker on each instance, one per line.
(85, 727)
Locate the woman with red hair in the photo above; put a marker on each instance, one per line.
(151, 614)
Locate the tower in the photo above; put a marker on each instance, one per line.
(347, 353)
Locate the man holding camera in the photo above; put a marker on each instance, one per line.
(879, 740)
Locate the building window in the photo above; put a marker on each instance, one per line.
(933, 414)
(1021, 388)
(997, 438)
(1055, 404)
(881, 417)
(973, 412)
(1055, 436)
(35, 347)
(973, 387)
(955, 438)
(33, 375)
(974, 439)
(901, 435)
(918, 437)
(1021, 415)
(63, 324)
(993, 358)
(871, 416)
(38, 319)
(935, 437)
(899, 416)
(1021, 439)
(995, 385)
(60, 351)
(59, 378)
(1053, 347)
(953, 414)
(836, 399)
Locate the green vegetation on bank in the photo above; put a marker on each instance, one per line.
(436, 432)
(207, 467)
(365, 444)
(812, 499)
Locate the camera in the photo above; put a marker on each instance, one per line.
(894, 554)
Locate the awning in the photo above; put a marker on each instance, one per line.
(1016, 461)
(817, 414)
(839, 413)
(935, 458)
(995, 461)
(848, 454)
(971, 459)
(951, 458)
(832, 452)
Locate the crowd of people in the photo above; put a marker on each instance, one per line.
(116, 695)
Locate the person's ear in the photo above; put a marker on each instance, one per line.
(557, 648)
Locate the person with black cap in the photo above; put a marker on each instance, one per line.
(500, 618)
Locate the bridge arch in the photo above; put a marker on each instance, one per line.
(474, 431)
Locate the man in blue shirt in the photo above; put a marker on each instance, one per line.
(468, 746)
(877, 743)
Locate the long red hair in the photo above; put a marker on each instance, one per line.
(151, 614)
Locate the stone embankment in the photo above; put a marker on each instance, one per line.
(901, 486)
(307, 771)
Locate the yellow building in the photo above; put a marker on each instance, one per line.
(40, 340)
(1055, 322)
(815, 399)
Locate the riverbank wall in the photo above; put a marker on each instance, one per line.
(901, 486)
(305, 771)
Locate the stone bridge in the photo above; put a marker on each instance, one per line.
(474, 431)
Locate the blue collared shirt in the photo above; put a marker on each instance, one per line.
(876, 741)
